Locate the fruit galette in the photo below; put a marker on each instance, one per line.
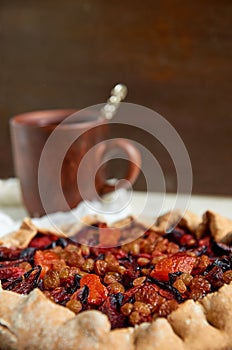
(167, 289)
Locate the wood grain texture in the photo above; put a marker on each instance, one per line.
(175, 57)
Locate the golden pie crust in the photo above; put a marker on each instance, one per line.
(34, 322)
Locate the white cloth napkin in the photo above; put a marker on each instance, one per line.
(113, 207)
(10, 194)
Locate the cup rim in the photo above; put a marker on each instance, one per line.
(35, 119)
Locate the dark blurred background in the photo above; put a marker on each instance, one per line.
(174, 56)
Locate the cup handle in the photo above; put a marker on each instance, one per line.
(134, 161)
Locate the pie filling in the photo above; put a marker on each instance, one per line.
(132, 283)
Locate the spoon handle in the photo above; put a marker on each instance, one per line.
(118, 93)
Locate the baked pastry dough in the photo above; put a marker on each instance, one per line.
(35, 322)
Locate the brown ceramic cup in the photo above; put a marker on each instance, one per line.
(31, 133)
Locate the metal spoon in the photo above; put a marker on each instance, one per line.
(118, 93)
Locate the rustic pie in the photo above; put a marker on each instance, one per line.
(164, 290)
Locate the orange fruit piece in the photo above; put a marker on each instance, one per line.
(171, 264)
(97, 291)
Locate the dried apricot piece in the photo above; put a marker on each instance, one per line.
(171, 264)
(45, 259)
(97, 291)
